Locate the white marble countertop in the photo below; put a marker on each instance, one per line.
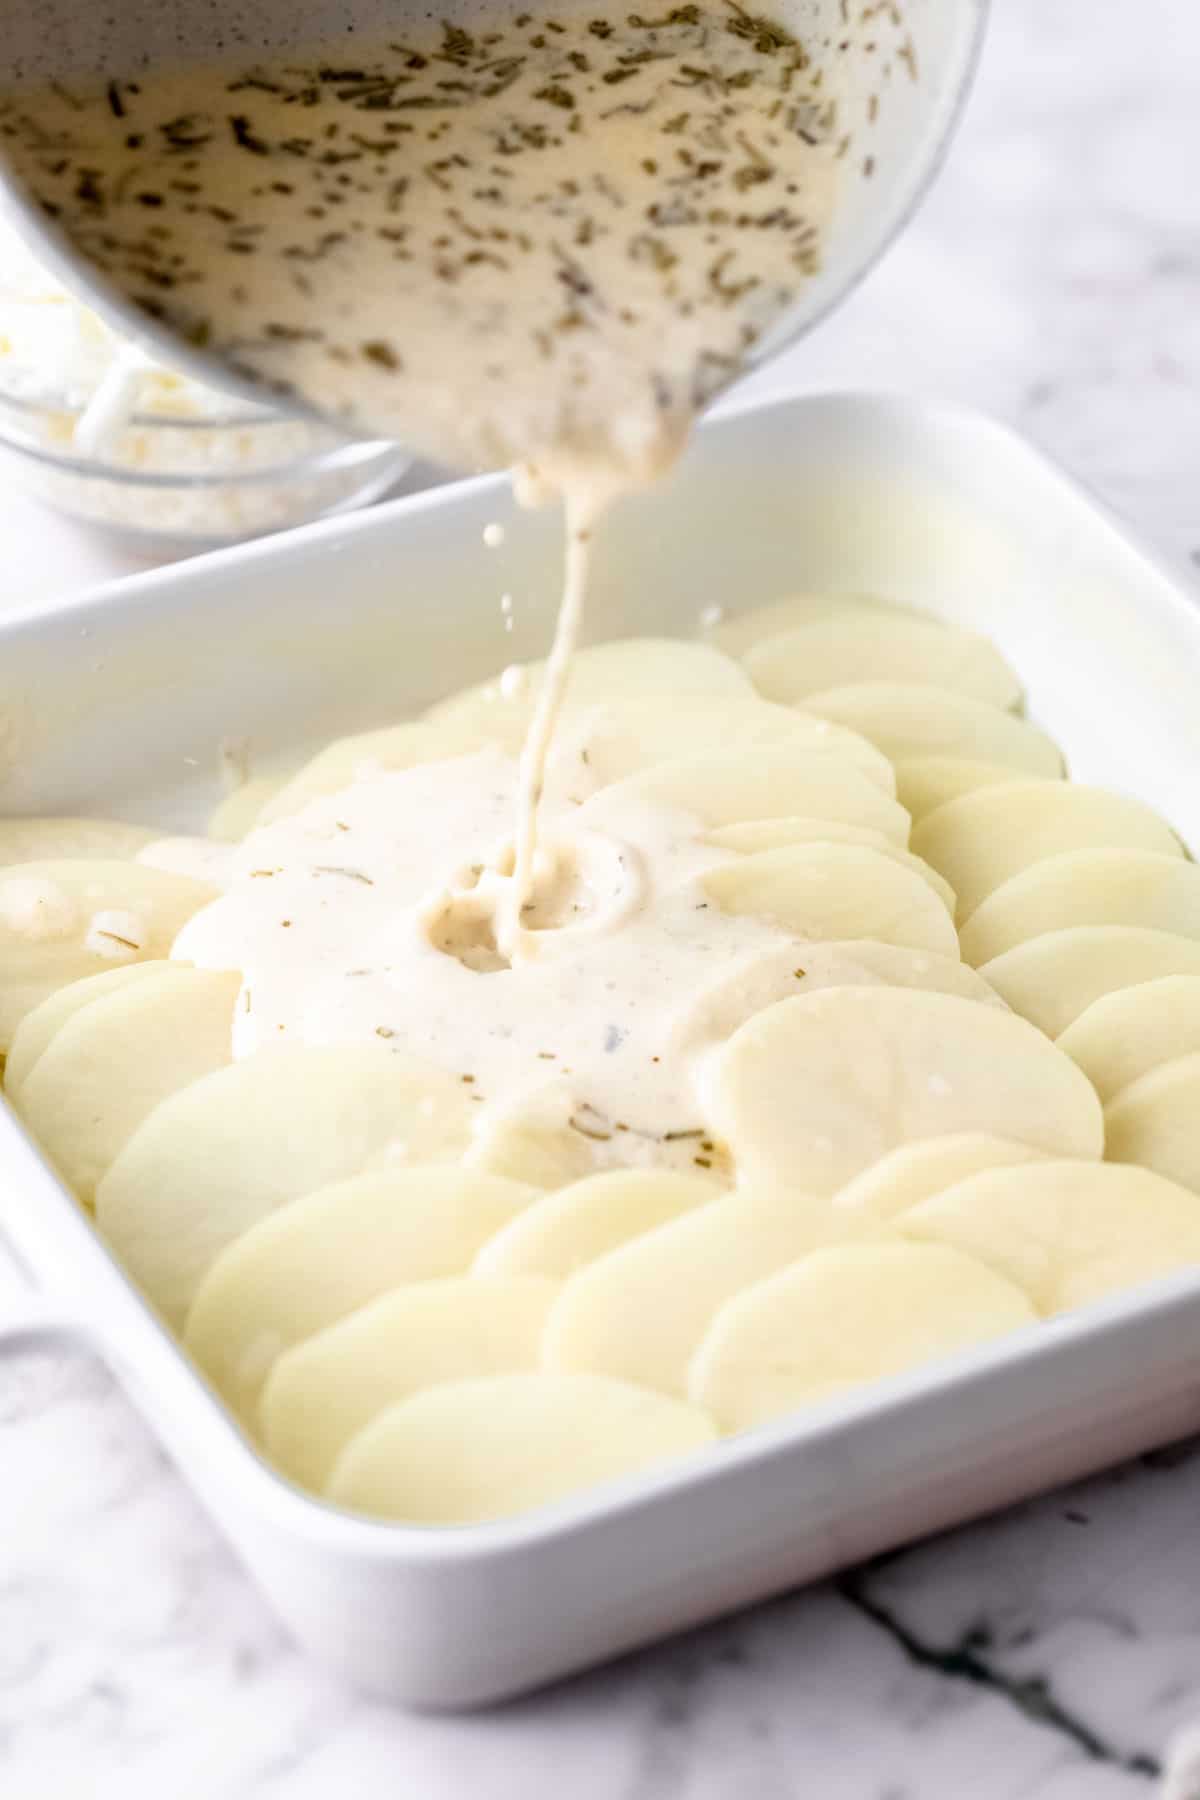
(1053, 1652)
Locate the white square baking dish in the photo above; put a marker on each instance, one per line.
(117, 705)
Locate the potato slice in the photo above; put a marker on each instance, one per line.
(827, 892)
(718, 790)
(347, 760)
(857, 644)
(912, 1172)
(738, 635)
(74, 840)
(241, 810)
(212, 1161)
(321, 1257)
(1155, 1121)
(560, 1232)
(324, 1390)
(1086, 887)
(1052, 979)
(982, 840)
(1124, 1035)
(639, 1312)
(924, 783)
(817, 1088)
(60, 921)
(778, 834)
(907, 719)
(110, 1064)
(1065, 1233)
(38, 1027)
(475, 1450)
(842, 1317)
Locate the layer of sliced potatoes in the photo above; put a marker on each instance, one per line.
(958, 1092)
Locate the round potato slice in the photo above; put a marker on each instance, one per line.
(857, 644)
(547, 1138)
(912, 1172)
(474, 1450)
(924, 783)
(560, 1232)
(981, 840)
(639, 1312)
(842, 1317)
(321, 1257)
(1086, 887)
(215, 1159)
(1065, 1233)
(779, 834)
(1155, 1121)
(60, 921)
(75, 840)
(324, 1390)
(737, 635)
(368, 753)
(38, 1027)
(815, 1089)
(240, 811)
(1052, 979)
(827, 892)
(908, 719)
(1124, 1035)
(110, 1064)
(718, 790)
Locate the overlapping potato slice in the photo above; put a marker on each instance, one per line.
(38, 1027)
(1053, 979)
(827, 892)
(1086, 887)
(639, 1312)
(202, 858)
(738, 635)
(387, 750)
(924, 783)
(778, 834)
(981, 840)
(474, 1450)
(319, 1258)
(560, 1232)
(817, 1088)
(215, 1159)
(1125, 1035)
(60, 921)
(240, 811)
(857, 644)
(75, 840)
(844, 1316)
(324, 1390)
(111, 1063)
(1065, 1233)
(907, 720)
(912, 1172)
(718, 790)
(1155, 1121)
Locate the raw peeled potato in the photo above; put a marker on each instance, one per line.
(738, 635)
(924, 783)
(63, 920)
(816, 1088)
(1127, 1034)
(1155, 1121)
(109, 1065)
(38, 1027)
(1086, 887)
(1065, 1233)
(321, 1257)
(908, 719)
(323, 1391)
(844, 1316)
(639, 1312)
(781, 834)
(241, 810)
(474, 1450)
(390, 749)
(912, 1172)
(560, 1232)
(215, 1159)
(76, 840)
(716, 791)
(827, 892)
(855, 645)
(1052, 979)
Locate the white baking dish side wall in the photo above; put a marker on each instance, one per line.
(116, 705)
